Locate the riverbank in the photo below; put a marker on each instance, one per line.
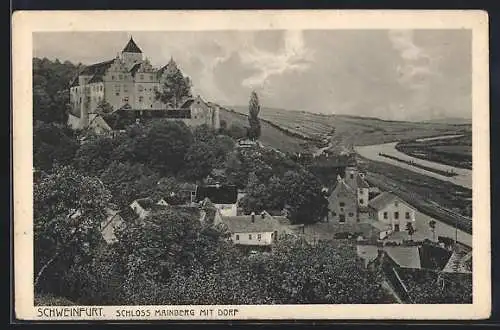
(462, 178)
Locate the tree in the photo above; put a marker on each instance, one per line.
(164, 146)
(128, 181)
(410, 229)
(68, 210)
(93, 157)
(52, 143)
(176, 87)
(200, 160)
(432, 225)
(253, 117)
(305, 198)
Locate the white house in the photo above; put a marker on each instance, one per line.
(143, 206)
(252, 230)
(392, 211)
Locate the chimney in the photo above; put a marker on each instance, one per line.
(253, 216)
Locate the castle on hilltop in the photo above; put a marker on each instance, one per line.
(128, 83)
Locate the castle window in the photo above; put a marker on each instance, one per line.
(361, 201)
(237, 237)
(385, 215)
(342, 204)
(140, 98)
(259, 237)
(250, 236)
(396, 215)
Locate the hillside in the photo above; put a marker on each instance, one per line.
(271, 135)
(351, 130)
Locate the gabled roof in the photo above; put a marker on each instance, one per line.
(244, 224)
(361, 182)
(404, 256)
(170, 64)
(342, 188)
(385, 198)
(98, 68)
(218, 194)
(131, 47)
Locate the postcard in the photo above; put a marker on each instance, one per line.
(251, 165)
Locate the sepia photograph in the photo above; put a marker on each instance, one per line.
(257, 166)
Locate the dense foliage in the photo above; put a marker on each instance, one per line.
(51, 89)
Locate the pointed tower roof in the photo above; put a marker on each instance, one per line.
(131, 47)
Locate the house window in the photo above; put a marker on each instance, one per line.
(237, 237)
(396, 203)
(141, 76)
(334, 213)
(120, 77)
(342, 204)
(112, 77)
(341, 218)
(385, 215)
(125, 99)
(396, 227)
(117, 93)
(351, 214)
(259, 237)
(140, 88)
(351, 176)
(140, 98)
(250, 236)
(125, 88)
(407, 215)
(396, 215)
(361, 201)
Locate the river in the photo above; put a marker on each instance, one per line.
(463, 177)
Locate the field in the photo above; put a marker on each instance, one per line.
(454, 151)
(351, 130)
(271, 135)
(441, 200)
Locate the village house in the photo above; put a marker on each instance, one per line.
(348, 202)
(254, 229)
(391, 211)
(128, 83)
(143, 207)
(224, 197)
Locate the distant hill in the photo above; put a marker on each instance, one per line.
(451, 121)
(343, 130)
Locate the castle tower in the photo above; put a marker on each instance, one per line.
(131, 53)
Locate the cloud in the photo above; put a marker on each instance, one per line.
(417, 64)
(293, 57)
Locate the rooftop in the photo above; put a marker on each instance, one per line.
(244, 224)
(381, 201)
(131, 47)
(218, 194)
(404, 256)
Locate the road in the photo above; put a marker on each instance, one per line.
(463, 177)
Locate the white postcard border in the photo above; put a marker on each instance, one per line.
(25, 23)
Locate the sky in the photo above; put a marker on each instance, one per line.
(390, 74)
